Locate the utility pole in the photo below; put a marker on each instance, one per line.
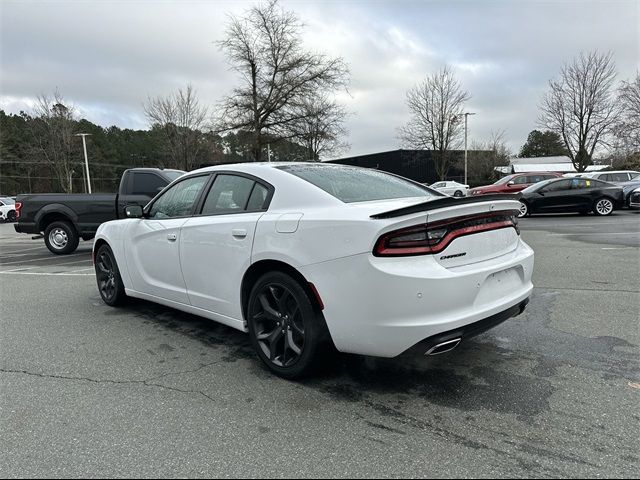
(466, 117)
(86, 160)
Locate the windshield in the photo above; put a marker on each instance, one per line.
(538, 186)
(504, 180)
(351, 185)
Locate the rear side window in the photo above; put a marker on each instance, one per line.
(147, 184)
(559, 185)
(352, 185)
(234, 194)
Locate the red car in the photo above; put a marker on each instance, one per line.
(514, 183)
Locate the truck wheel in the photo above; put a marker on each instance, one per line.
(61, 238)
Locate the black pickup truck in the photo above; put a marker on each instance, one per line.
(64, 219)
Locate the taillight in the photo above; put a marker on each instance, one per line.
(18, 206)
(434, 238)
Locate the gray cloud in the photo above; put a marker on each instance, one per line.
(106, 57)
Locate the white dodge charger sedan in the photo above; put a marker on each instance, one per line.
(308, 256)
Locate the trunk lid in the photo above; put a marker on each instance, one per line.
(472, 229)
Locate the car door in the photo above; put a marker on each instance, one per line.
(583, 193)
(216, 245)
(554, 197)
(153, 253)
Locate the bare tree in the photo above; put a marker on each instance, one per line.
(436, 104)
(181, 118)
(52, 130)
(277, 74)
(320, 127)
(627, 128)
(580, 105)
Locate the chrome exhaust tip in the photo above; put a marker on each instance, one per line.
(444, 347)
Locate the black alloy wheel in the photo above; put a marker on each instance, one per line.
(457, 194)
(285, 330)
(11, 216)
(108, 277)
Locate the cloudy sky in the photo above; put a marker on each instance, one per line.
(107, 56)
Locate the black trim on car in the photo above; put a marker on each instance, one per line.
(445, 202)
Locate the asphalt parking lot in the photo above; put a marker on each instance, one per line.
(146, 391)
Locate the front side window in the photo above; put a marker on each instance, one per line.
(350, 185)
(179, 200)
(234, 194)
(523, 180)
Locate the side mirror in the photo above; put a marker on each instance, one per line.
(541, 192)
(511, 183)
(133, 211)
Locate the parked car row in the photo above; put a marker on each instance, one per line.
(544, 192)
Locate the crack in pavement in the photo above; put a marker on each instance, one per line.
(146, 382)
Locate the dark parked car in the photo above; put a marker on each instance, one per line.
(628, 188)
(581, 195)
(64, 219)
(514, 183)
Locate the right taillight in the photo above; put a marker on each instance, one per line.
(18, 208)
(434, 238)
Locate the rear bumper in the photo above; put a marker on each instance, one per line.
(383, 307)
(468, 331)
(26, 228)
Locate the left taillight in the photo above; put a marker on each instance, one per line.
(434, 238)
(18, 206)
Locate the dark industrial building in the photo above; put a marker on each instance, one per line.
(414, 164)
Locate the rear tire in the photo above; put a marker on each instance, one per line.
(524, 210)
(286, 332)
(61, 238)
(11, 216)
(603, 206)
(108, 277)
(457, 194)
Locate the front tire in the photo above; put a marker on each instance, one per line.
(285, 330)
(603, 206)
(108, 277)
(61, 238)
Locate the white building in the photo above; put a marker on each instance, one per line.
(560, 164)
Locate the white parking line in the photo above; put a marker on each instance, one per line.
(81, 270)
(45, 258)
(20, 251)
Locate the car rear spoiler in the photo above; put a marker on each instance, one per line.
(445, 202)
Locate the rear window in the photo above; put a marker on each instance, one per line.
(352, 185)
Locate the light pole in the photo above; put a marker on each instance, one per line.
(466, 117)
(86, 160)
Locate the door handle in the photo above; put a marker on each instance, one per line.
(239, 232)
(172, 237)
